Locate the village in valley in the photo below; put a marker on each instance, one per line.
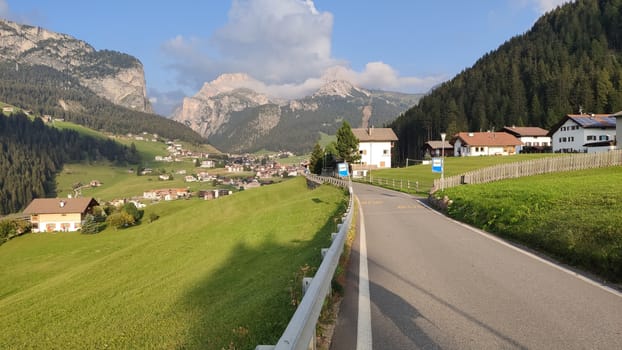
(182, 173)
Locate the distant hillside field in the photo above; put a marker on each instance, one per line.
(206, 275)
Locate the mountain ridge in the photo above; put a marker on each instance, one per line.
(115, 76)
(226, 109)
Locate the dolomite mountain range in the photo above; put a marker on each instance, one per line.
(225, 111)
(238, 119)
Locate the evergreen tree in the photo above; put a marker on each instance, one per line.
(316, 162)
(89, 225)
(347, 144)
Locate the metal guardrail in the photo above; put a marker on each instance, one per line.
(300, 332)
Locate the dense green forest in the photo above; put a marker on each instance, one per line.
(41, 88)
(570, 61)
(32, 153)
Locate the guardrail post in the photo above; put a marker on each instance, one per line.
(333, 236)
(323, 252)
(306, 282)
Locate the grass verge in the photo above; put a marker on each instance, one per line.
(572, 216)
(422, 173)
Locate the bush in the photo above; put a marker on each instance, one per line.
(153, 217)
(131, 209)
(120, 220)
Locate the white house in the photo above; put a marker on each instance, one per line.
(59, 214)
(531, 136)
(485, 144)
(375, 146)
(584, 133)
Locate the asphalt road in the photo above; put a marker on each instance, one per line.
(437, 284)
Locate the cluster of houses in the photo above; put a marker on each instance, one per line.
(575, 133)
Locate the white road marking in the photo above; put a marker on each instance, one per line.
(529, 254)
(363, 339)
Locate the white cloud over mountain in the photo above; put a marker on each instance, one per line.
(543, 6)
(285, 45)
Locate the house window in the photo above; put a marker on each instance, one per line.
(363, 151)
(571, 139)
(591, 137)
(603, 138)
(385, 152)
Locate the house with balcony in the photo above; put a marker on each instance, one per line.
(59, 214)
(584, 133)
(468, 144)
(534, 139)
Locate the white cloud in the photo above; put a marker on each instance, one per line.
(548, 5)
(543, 6)
(285, 45)
(4, 9)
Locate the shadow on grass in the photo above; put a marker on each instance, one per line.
(247, 301)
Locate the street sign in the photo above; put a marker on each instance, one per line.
(342, 168)
(437, 165)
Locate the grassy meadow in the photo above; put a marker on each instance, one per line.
(119, 182)
(573, 216)
(423, 174)
(205, 275)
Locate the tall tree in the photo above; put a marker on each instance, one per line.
(347, 144)
(316, 162)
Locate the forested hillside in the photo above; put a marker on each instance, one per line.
(32, 153)
(570, 61)
(48, 91)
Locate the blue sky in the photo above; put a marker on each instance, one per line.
(288, 47)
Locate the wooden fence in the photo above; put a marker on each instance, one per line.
(402, 185)
(533, 167)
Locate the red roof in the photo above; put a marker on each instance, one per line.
(487, 139)
(520, 131)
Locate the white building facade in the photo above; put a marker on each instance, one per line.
(584, 133)
(375, 146)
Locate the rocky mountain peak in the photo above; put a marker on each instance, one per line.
(340, 88)
(114, 76)
(225, 83)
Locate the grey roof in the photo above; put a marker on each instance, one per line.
(439, 144)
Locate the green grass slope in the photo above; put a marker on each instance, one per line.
(206, 275)
(423, 174)
(573, 216)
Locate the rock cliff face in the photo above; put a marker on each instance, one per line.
(238, 119)
(114, 76)
(214, 104)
